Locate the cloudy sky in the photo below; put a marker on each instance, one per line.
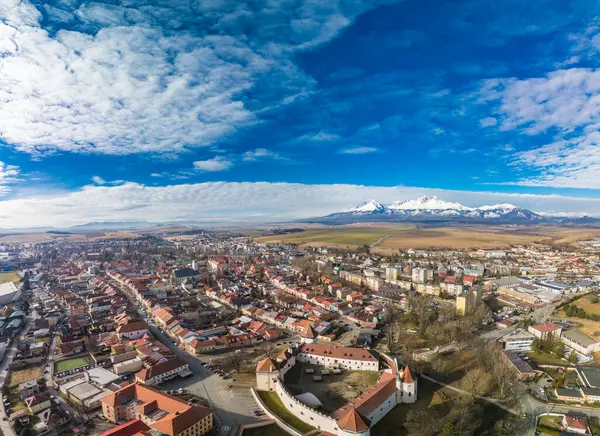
(161, 110)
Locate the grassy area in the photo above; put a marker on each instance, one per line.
(10, 276)
(265, 430)
(275, 405)
(76, 362)
(571, 379)
(22, 375)
(546, 359)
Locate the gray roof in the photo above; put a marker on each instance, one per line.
(591, 376)
(569, 392)
(579, 337)
(186, 272)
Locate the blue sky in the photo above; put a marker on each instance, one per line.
(133, 104)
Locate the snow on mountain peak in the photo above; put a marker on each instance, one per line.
(426, 203)
(504, 207)
(367, 206)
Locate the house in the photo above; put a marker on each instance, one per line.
(37, 403)
(28, 388)
(575, 424)
(132, 330)
(163, 371)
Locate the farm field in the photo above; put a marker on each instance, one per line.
(389, 239)
(343, 236)
(587, 326)
(10, 276)
(77, 362)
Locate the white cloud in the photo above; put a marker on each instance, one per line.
(8, 174)
(98, 180)
(358, 150)
(222, 202)
(488, 122)
(128, 80)
(260, 154)
(565, 103)
(215, 164)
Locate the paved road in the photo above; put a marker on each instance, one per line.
(5, 425)
(231, 407)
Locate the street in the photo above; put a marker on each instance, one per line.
(231, 407)
(5, 425)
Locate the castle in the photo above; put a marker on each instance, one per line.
(357, 417)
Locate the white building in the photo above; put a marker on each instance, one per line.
(9, 293)
(519, 340)
(420, 275)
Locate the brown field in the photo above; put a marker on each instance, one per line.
(389, 239)
(45, 237)
(19, 376)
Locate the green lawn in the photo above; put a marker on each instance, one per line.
(76, 362)
(265, 430)
(276, 407)
(546, 359)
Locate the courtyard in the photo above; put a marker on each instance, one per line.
(334, 390)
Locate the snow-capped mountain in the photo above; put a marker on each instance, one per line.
(432, 209)
(366, 207)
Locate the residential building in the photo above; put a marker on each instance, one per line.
(420, 275)
(542, 331)
(163, 371)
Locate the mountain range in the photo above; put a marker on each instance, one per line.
(433, 209)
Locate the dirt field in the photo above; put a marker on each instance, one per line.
(22, 375)
(45, 237)
(10, 276)
(389, 239)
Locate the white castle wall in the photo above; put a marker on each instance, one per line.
(310, 416)
(358, 365)
(383, 409)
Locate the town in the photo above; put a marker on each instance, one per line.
(205, 332)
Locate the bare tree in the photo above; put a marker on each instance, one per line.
(424, 422)
(269, 349)
(476, 381)
(237, 360)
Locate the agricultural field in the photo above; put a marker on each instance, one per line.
(387, 240)
(76, 362)
(10, 276)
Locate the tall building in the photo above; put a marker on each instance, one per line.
(392, 273)
(420, 275)
(468, 300)
(158, 410)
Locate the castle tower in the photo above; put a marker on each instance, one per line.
(266, 375)
(308, 335)
(353, 423)
(409, 387)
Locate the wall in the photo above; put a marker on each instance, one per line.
(383, 409)
(310, 416)
(279, 422)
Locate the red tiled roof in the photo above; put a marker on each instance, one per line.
(352, 421)
(128, 428)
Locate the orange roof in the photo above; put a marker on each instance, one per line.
(309, 332)
(128, 428)
(132, 327)
(408, 378)
(338, 352)
(180, 416)
(352, 421)
(160, 368)
(369, 401)
(266, 365)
